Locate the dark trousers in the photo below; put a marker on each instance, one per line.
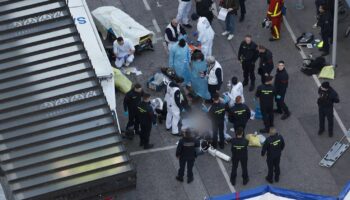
(281, 105)
(242, 7)
(267, 115)
(244, 163)
(248, 72)
(183, 162)
(273, 166)
(263, 78)
(218, 127)
(212, 89)
(145, 134)
(323, 114)
(133, 121)
(326, 40)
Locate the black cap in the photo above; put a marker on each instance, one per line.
(194, 16)
(325, 85)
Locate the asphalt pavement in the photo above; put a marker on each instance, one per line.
(156, 170)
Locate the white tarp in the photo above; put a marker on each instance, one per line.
(269, 196)
(109, 17)
(94, 47)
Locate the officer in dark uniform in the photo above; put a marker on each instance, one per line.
(131, 100)
(248, 55)
(239, 114)
(273, 147)
(239, 154)
(281, 85)
(325, 22)
(266, 63)
(217, 116)
(146, 116)
(186, 153)
(327, 97)
(266, 94)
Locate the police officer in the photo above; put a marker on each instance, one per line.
(239, 114)
(266, 63)
(146, 116)
(281, 85)
(265, 93)
(186, 153)
(327, 97)
(217, 116)
(239, 155)
(248, 54)
(131, 100)
(326, 23)
(273, 147)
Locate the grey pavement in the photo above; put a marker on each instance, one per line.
(304, 148)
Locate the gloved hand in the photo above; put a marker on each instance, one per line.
(126, 113)
(278, 97)
(183, 110)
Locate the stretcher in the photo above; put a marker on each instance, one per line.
(112, 22)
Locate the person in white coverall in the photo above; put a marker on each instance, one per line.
(173, 98)
(205, 34)
(124, 51)
(236, 90)
(183, 12)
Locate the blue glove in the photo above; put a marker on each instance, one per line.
(126, 113)
(183, 110)
(278, 97)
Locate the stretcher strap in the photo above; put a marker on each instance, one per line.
(237, 195)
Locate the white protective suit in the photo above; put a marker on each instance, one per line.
(205, 35)
(122, 53)
(183, 12)
(173, 111)
(237, 90)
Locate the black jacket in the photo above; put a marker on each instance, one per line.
(186, 148)
(325, 22)
(327, 98)
(203, 9)
(239, 148)
(217, 112)
(266, 94)
(281, 82)
(131, 100)
(266, 62)
(273, 146)
(239, 114)
(248, 52)
(145, 113)
(170, 36)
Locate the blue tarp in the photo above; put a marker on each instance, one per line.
(279, 192)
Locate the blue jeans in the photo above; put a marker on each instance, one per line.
(230, 23)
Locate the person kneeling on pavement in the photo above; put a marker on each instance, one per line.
(124, 51)
(186, 153)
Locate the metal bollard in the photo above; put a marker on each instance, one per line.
(299, 4)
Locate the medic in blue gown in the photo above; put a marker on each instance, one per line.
(199, 83)
(179, 60)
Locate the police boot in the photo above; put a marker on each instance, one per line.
(277, 178)
(178, 178)
(245, 83)
(252, 86)
(245, 181)
(233, 181)
(269, 180)
(148, 146)
(189, 180)
(241, 19)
